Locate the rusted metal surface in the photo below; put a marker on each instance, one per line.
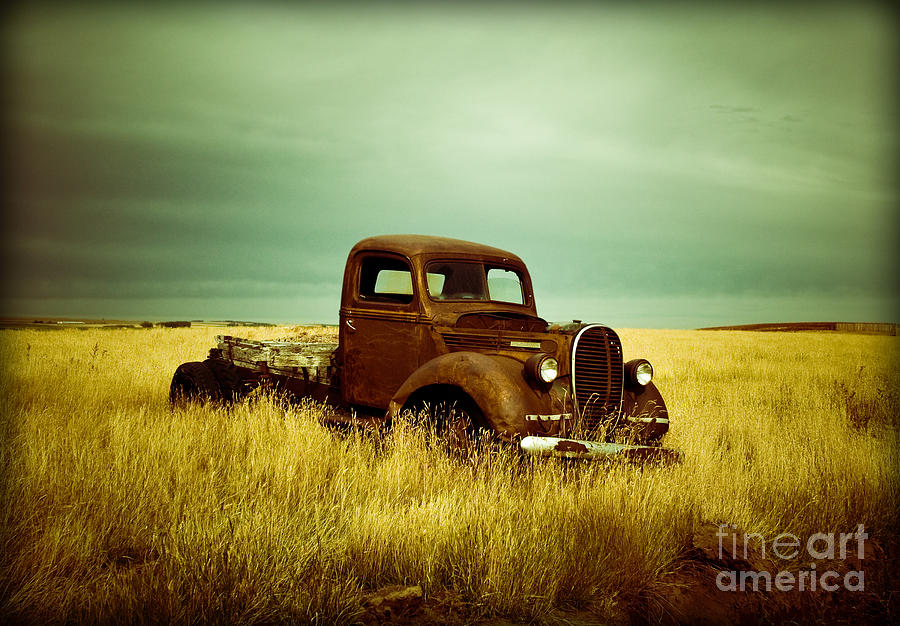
(402, 337)
(494, 382)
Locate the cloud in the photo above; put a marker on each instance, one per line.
(170, 153)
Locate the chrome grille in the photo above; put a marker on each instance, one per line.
(597, 374)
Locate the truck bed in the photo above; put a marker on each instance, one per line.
(311, 362)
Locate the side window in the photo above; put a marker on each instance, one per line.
(384, 279)
(505, 285)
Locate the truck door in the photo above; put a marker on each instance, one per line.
(379, 334)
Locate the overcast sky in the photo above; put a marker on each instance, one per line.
(660, 166)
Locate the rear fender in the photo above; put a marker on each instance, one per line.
(495, 383)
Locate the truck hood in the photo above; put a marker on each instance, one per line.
(494, 320)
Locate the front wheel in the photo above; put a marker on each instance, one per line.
(457, 421)
(194, 382)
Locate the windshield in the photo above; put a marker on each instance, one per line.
(463, 280)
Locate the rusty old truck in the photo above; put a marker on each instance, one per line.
(450, 326)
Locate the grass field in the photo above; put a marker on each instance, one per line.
(118, 508)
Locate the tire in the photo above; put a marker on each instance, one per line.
(228, 377)
(194, 382)
(456, 420)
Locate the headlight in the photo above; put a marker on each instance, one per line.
(542, 368)
(639, 372)
(548, 370)
(643, 373)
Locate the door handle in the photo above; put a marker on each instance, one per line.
(350, 325)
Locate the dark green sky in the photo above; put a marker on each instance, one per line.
(661, 166)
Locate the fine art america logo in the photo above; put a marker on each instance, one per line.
(819, 547)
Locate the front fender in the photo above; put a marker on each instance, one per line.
(496, 383)
(646, 401)
(647, 411)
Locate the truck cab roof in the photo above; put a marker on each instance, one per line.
(416, 245)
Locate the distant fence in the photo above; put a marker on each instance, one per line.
(862, 327)
(791, 327)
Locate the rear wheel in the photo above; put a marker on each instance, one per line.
(194, 382)
(228, 377)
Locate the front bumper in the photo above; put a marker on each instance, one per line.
(579, 449)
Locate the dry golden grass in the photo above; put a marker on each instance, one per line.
(118, 508)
